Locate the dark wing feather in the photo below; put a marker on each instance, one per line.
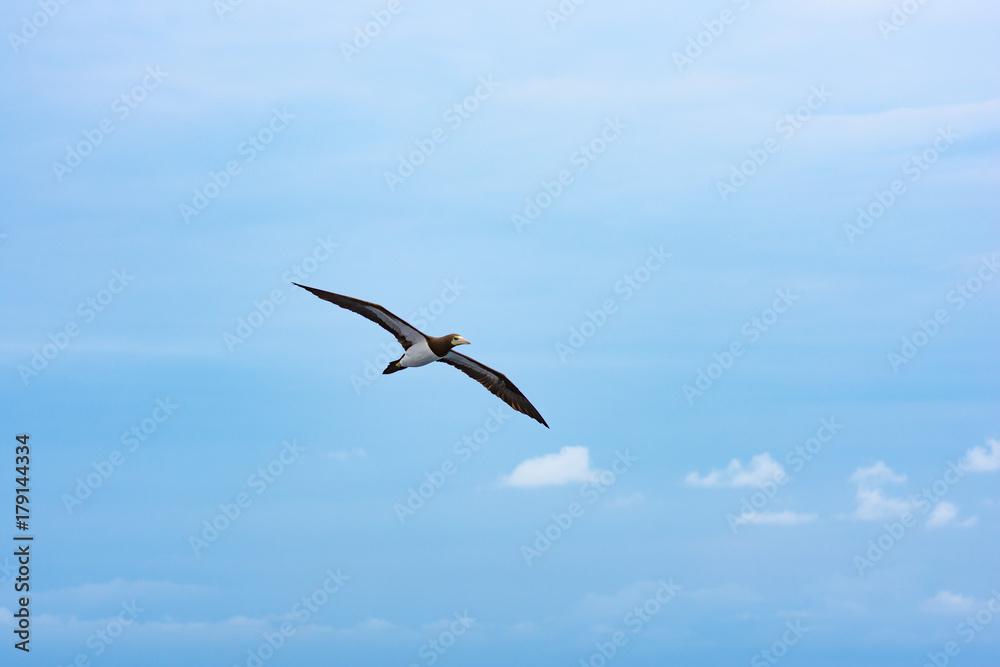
(405, 333)
(495, 381)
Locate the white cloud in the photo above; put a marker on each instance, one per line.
(943, 514)
(875, 476)
(93, 599)
(978, 459)
(785, 518)
(70, 627)
(947, 602)
(345, 454)
(233, 629)
(571, 464)
(873, 505)
(762, 468)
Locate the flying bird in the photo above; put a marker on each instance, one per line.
(420, 349)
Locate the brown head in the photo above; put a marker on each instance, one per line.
(441, 345)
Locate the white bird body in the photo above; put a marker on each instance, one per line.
(418, 354)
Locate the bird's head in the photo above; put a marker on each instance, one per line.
(455, 340)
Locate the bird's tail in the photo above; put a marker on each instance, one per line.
(393, 367)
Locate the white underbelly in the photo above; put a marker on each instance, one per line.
(418, 355)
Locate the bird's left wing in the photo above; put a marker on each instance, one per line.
(404, 332)
(495, 381)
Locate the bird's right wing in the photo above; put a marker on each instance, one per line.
(404, 332)
(495, 381)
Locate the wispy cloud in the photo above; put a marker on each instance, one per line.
(762, 468)
(873, 504)
(947, 602)
(571, 464)
(345, 454)
(876, 475)
(943, 514)
(93, 596)
(978, 459)
(612, 605)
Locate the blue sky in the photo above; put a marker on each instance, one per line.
(741, 256)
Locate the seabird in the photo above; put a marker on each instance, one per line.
(420, 349)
